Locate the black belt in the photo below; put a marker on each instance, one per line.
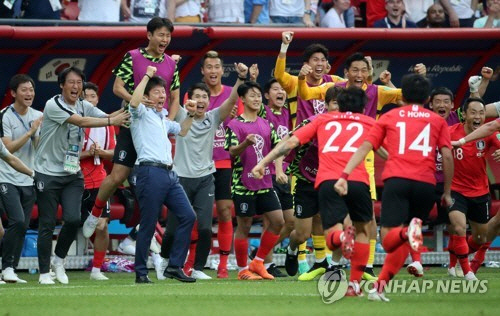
(155, 164)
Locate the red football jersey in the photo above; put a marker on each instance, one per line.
(339, 136)
(470, 178)
(411, 134)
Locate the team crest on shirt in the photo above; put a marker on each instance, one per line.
(480, 145)
(40, 185)
(122, 154)
(244, 207)
(4, 189)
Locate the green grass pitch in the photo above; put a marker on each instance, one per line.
(120, 296)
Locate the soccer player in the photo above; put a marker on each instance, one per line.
(128, 75)
(248, 139)
(279, 116)
(98, 143)
(316, 57)
(19, 166)
(338, 136)
(195, 166)
(411, 134)
(58, 177)
(470, 189)
(19, 131)
(212, 70)
(156, 183)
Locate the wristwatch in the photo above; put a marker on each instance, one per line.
(308, 12)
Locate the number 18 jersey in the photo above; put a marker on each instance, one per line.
(339, 135)
(410, 135)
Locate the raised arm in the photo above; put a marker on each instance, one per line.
(483, 131)
(228, 105)
(136, 98)
(190, 106)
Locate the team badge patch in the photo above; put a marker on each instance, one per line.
(4, 189)
(122, 155)
(244, 207)
(480, 145)
(40, 185)
(298, 209)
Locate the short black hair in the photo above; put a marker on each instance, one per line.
(91, 86)
(443, 91)
(268, 85)
(200, 86)
(157, 23)
(18, 79)
(355, 57)
(332, 94)
(61, 78)
(154, 82)
(416, 88)
(314, 48)
(247, 85)
(210, 54)
(467, 102)
(352, 99)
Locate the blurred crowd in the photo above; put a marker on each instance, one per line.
(310, 13)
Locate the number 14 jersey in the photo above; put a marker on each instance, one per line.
(410, 134)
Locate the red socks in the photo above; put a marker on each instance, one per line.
(392, 264)
(241, 252)
(333, 239)
(462, 251)
(359, 259)
(267, 243)
(451, 250)
(98, 206)
(479, 257)
(395, 238)
(473, 247)
(225, 238)
(98, 258)
(415, 255)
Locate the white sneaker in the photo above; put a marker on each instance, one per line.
(60, 272)
(459, 272)
(160, 266)
(89, 226)
(470, 276)
(415, 233)
(200, 275)
(415, 268)
(45, 278)
(127, 248)
(98, 276)
(2, 282)
(377, 297)
(155, 245)
(9, 276)
(452, 272)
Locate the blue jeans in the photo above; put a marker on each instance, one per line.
(156, 187)
(286, 19)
